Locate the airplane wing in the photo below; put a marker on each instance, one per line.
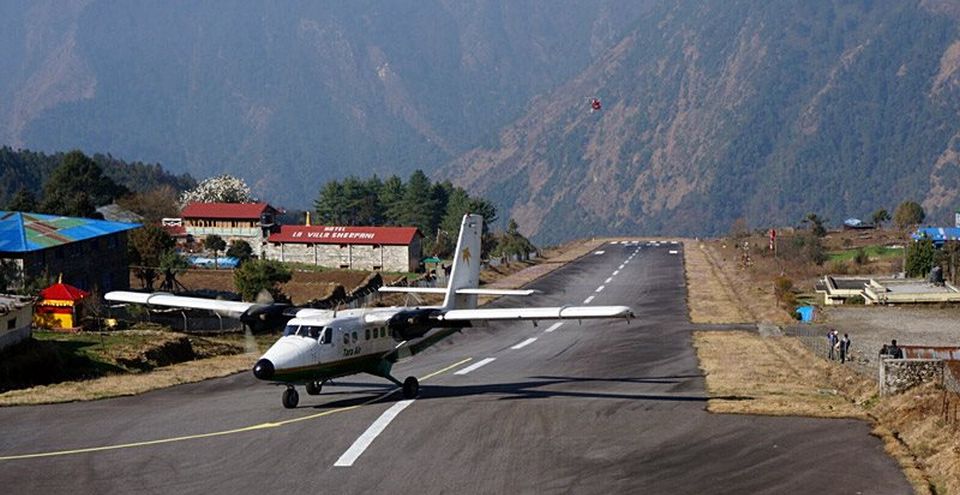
(234, 308)
(548, 313)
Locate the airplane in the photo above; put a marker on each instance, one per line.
(319, 345)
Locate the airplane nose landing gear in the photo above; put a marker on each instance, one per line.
(290, 397)
(411, 387)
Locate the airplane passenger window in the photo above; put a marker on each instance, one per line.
(354, 337)
(366, 334)
(346, 338)
(290, 330)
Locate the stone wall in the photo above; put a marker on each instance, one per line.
(898, 375)
(348, 256)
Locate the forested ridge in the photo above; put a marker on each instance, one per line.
(29, 170)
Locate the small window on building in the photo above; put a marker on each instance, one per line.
(343, 246)
(344, 266)
(376, 246)
(377, 268)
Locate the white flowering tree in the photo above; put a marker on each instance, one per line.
(221, 189)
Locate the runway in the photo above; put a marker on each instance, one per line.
(598, 407)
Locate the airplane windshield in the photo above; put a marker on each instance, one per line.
(290, 330)
(314, 332)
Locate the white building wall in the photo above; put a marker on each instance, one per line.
(16, 321)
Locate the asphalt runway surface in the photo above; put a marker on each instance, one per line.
(598, 407)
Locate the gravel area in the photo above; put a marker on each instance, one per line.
(870, 327)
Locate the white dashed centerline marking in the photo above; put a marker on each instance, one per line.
(482, 362)
(608, 280)
(615, 272)
(621, 267)
(364, 441)
(600, 289)
(525, 343)
(587, 300)
(553, 327)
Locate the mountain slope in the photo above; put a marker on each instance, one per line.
(286, 95)
(719, 110)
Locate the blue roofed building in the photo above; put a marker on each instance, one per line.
(88, 254)
(939, 235)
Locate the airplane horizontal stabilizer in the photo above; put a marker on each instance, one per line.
(478, 292)
(552, 313)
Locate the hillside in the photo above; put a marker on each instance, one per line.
(286, 96)
(719, 110)
(712, 110)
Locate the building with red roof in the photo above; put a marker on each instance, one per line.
(250, 222)
(392, 249)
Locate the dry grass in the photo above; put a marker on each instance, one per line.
(710, 297)
(915, 419)
(120, 385)
(749, 374)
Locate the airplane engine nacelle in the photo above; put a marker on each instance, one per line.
(266, 317)
(412, 324)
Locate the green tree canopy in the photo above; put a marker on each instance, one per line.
(241, 250)
(919, 258)
(147, 246)
(77, 187)
(23, 200)
(908, 214)
(816, 224)
(258, 275)
(880, 217)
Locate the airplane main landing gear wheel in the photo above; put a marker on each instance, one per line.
(411, 387)
(290, 398)
(313, 388)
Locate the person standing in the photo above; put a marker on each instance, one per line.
(895, 351)
(831, 343)
(844, 348)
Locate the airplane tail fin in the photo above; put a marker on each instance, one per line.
(466, 265)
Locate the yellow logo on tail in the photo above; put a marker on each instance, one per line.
(465, 255)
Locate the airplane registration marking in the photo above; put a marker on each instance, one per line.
(608, 280)
(600, 289)
(245, 429)
(525, 343)
(587, 300)
(554, 327)
(478, 364)
(364, 441)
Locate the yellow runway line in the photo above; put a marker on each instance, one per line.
(261, 426)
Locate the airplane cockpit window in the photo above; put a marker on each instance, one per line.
(290, 330)
(327, 337)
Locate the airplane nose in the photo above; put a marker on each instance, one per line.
(263, 369)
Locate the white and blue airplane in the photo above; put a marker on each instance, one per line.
(320, 345)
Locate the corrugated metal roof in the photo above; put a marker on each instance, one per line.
(318, 234)
(245, 211)
(23, 232)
